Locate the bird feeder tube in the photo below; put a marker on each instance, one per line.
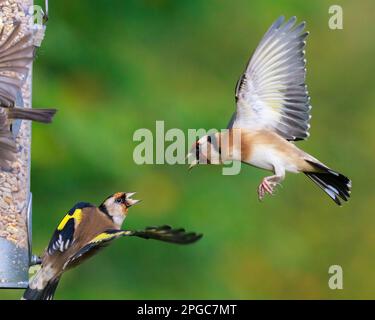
(15, 196)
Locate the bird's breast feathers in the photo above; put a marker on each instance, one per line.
(265, 149)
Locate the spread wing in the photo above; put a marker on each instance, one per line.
(163, 233)
(94, 245)
(16, 54)
(167, 234)
(272, 94)
(63, 236)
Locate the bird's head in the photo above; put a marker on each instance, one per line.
(116, 206)
(205, 150)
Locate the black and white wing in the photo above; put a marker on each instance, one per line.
(272, 94)
(16, 54)
(94, 245)
(162, 233)
(63, 236)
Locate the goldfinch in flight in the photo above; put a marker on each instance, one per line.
(273, 111)
(83, 232)
(16, 54)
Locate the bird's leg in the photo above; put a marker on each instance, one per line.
(269, 183)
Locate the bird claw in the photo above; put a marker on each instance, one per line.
(266, 187)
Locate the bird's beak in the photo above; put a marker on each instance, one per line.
(193, 162)
(129, 201)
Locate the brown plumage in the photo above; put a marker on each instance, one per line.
(84, 231)
(16, 56)
(7, 144)
(272, 111)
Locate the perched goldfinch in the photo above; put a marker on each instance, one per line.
(83, 232)
(16, 55)
(273, 110)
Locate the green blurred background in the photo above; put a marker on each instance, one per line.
(113, 67)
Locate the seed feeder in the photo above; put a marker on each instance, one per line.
(15, 196)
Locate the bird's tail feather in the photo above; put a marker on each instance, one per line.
(335, 184)
(46, 293)
(40, 115)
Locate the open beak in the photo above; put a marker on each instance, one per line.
(129, 201)
(191, 159)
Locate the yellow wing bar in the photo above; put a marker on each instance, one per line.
(77, 216)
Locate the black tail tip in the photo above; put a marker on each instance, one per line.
(47, 293)
(32, 294)
(45, 115)
(340, 185)
(335, 185)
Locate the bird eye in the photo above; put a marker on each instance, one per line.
(119, 200)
